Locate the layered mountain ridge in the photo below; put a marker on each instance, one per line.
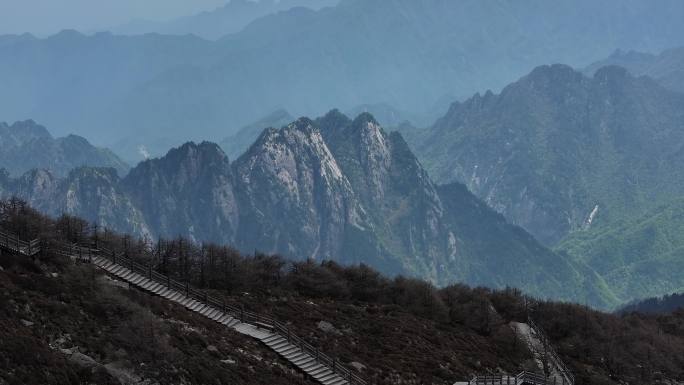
(667, 68)
(589, 165)
(330, 188)
(411, 55)
(27, 145)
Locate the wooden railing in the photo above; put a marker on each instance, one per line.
(531, 378)
(565, 372)
(86, 253)
(523, 378)
(12, 243)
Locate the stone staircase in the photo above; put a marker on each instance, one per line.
(544, 355)
(273, 334)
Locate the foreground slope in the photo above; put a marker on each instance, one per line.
(63, 322)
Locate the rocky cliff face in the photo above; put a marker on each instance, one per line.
(94, 194)
(333, 188)
(27, 145)
(296, 198)
(401, 201)
(188, 192)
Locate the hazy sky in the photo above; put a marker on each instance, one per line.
(44, 17)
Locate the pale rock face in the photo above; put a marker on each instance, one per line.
(189, 191)
(376, 158)
(291, 174)
(37, 187)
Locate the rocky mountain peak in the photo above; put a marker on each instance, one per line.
(333, 120)
(21, 132)
(193, 151)
(182, 166)
(27, 145)
(554, 80)
(553, 72)
(611, 73)
(282, 152)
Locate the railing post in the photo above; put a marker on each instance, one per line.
(317, 355)
(333, 365)
(242, 318)
(168, 281)
(187, 289)
(150, 271)
(113, 256)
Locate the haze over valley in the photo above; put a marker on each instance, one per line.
(342, 192)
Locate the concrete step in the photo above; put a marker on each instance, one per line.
(339, 381)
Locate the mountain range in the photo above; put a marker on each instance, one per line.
(330, 188)
(410, 55)
(227, 19)
(667, 68)
(591, 166)
(26, 145)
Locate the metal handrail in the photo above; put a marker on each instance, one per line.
(525, 377)
(565, 371)
(14, 243)
(87, 252)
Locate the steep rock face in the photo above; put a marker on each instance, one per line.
(442, 233)
(94, 194)
(295, 198)
(27, 145)
(38, 187)
(400, 199)
(556, 146)
(188, 192)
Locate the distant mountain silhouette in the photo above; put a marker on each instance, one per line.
(667, 68)
(211, 25)
(27, 145)
(403, 53)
